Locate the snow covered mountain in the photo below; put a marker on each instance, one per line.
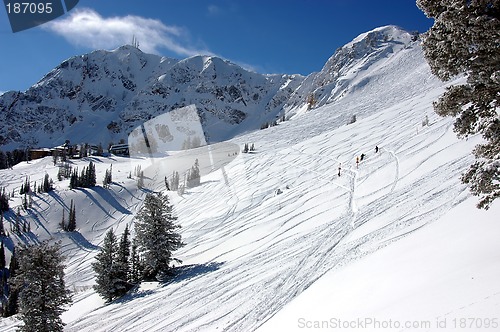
(102, 96)
(358, 63)
(277, 241)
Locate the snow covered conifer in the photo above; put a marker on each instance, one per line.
(2, 229)
(11, 307)
(71, 226)
(156, 235)
(42, 290)
(122, 261)
(63, 222)
(105, 267)
(2, 257)
(465, 39)
(47, 184)
(135, 264)
(4, 200)
(193, 178)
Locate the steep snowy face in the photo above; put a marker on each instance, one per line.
(100, 97)
(353, 66)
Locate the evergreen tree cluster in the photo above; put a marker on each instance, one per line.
(139, 174)
(266, 125)
(191, 143)
(46, 185)
(248, 148)
(11, 158)
(26, 187)
(108, 177)
(20, 224)
(114, 266)
(69, 226)
(174, 182)
(465, 39)
(86, 179)
(123, 263)
(193, 176)
(64, 172)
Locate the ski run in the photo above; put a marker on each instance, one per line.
(277, 241)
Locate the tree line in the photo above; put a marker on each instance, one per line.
(122, 263)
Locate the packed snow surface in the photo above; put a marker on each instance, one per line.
(277, 241)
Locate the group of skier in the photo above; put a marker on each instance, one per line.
(358, 159)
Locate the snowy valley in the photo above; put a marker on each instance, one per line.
(275, 239)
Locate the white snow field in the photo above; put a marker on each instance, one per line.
(277, 241)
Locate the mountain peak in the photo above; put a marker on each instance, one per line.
(388, 33)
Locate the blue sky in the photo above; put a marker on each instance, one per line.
(267, 36)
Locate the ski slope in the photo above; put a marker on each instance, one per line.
(277, 236)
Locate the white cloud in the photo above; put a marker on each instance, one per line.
(86, 27)
(213, 10)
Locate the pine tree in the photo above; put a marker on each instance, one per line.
(63, 223)
(193, 178)
(108, 178)
(135, 264)
(74, 179)
(92, 180)
(2, 257)
(107, 283)
(47, 184)
(166, 184)
(465, 40)
(72, 218)
(140, 180)
(3, 291)
(42, 290)
(156, 235)
(12, 307)
(174, 184)
(17, 222)
(2, 229)
(25, 201)
(4, 200)
(123, 267)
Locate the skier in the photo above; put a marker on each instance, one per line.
(340, 168)
(362, 157)
(357, 162)
(376, 148)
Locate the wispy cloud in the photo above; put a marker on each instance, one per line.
(85, 27)
(213, 10)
